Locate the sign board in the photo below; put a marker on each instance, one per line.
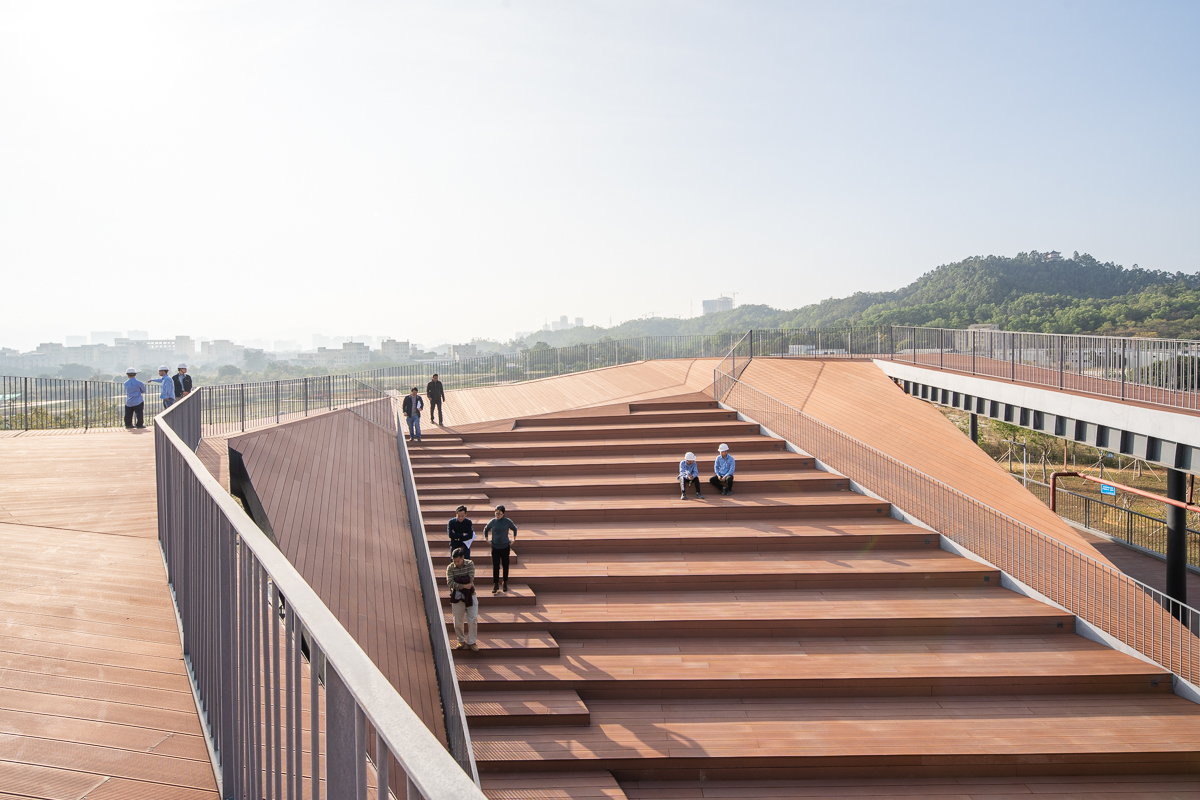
(1106, 489)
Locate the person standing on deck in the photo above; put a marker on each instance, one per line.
(464, 605)
(135, 400)
(502, 533)
(412, 406)
(166, 386)
(689, 475)
(461, 531)
(182, 381)
(723, 467)
(436, 394)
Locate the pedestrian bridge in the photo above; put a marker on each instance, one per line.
(878, 610)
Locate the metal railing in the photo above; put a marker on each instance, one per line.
(42, 403)
(864, 341)
(1164, 372)
(59, 403)
(1162, 629)
(1143, 531)
(458, 735)
(288, 699)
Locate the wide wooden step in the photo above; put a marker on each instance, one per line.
(516, 466)
(650, 483)
(748, 536)
(675, 668)
(490, 709)
(773, 536)
(494, 644)
(655, 417)
(784, 738)
(518, 594)
(674, 447)
(1093, 786)
(613, 572)
(449, 476)
(574, 785)
(652, 407)
(771, 614)
(669, 507)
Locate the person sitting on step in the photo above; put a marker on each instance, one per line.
(689, 474)
(723, 467)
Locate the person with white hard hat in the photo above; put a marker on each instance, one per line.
(166, 386)
(689, 474)
(182, 381)
(135, 400)
(723, 467)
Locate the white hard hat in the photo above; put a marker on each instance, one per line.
(164, 368)
(689, 456)
(723, 448)
(131, 371)
(183, 366)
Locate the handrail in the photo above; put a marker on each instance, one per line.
(1160, 628)
(1054, 476)
(458, 734)
(249, 621)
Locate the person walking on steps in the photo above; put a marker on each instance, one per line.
(689, 475)
(436, 394)
(166, 386)
(502, 533)
(135, 400)
(464, 605)
(723, 467)
(412, 406)
(461, 531)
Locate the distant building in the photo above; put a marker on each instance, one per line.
(105, 337)
(138, 335)
(461, 351)
(393, 350)
(579, 322)
(222, 351)
(1053, 255)
(76, 341)
(715, 306)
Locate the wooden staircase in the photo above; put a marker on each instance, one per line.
(790, 637)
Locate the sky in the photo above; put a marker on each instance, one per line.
(439, 171)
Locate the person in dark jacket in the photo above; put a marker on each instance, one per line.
(502, 533)
(464, 605)
(182, 381)
(461, 531)
(436, 394)
(412, 406)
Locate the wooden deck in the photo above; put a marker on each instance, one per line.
(331, 488)
(94, 698)
(789, 641)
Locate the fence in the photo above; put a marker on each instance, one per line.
(1133, 527)
(1166, 631)
(51, 403)
(268, 659)
(43, 403)
(1160, 371)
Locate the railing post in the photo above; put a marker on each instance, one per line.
(306, 397)
(25, 398)
(242, 403)
(85, 405)
(1012, 357)
(973, 335)
(276, 402)
(941, 348)
(1124, 344)
(342, 756)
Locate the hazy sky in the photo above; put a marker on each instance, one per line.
(443, 170)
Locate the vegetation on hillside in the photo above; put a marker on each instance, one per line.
(1024, 293)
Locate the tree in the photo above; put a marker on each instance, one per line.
(228, 371)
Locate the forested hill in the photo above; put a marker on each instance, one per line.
(1024, 293)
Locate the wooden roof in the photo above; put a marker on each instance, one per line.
(331, 488)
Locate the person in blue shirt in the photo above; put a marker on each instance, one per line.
(166, 386)
(723, 467)
(689, 474)
(135, 400)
